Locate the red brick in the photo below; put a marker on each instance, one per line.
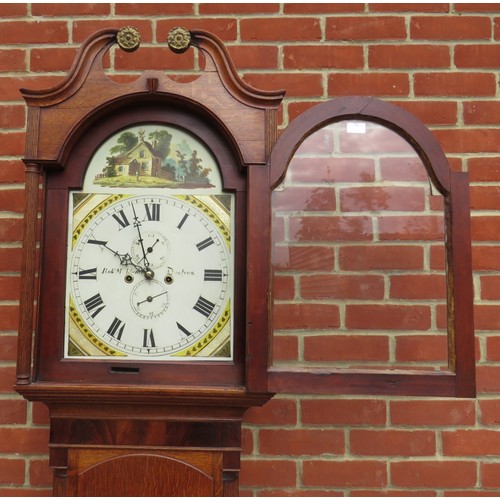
(337, 170)
(348, 228)
(366, 28)
(309, 316)
(11, 229)
(490, 287)
(13, 411)
(345, 473)
(408, 57)
(434, 474)
(11, 117)
(293, 199)
(387, 317)
(52, 59)
(9, 287)
(24, 441)
(418, 286)
(432, 413)
(493, 348)
(450, 28)
(12, 200)
(489, 411)
(297, 84)
(471, 442)
(13, 9)
(487, 317)
(490, 474)
(485, 258)
(343, 412)
(283, 287)
(431, 112)
(488, 378)
(454, 84)
(336, 286)
(40, 473)
(381, 257)
(392, 443)
(9, 317)
(477, 56)
(40, 414)
(318, 143)
(156, 9)
(391, 198)
(403, 169)
(469, 140)
(420, 228)
(485, 228)
(23, 32)
(12, 143)
(13, 60)
(10, 259)
(277, 411)
(83, 28)
(303, 258)
(238, 8)
(476, 7)
(247, 441)
(481, 113)
(254, 56)
(11, 471)
(375, 139)
(346, 348)
(155, 58)
(7, 381)
(274, 473)
(70, 9)
(438, 257)
(10, 85)
(377, 84)
(422, 348)
(320, 8)
(285, 348)
(327, 56)
(298, 442)
(485, 197)
(409, 7)
(280, 28)
(25, 492)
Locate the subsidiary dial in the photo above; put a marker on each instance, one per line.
(156, 249)
(149, 299)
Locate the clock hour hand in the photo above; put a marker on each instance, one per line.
(137, 224)
(125, 258)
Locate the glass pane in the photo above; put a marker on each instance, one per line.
(358, 255)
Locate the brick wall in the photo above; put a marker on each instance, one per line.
(440, 62)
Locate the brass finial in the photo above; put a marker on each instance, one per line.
(128, 38)
(179, 39)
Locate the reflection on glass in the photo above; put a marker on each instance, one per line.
(358, 254)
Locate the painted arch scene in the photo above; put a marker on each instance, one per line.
(153, 156)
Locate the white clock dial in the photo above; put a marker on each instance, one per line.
(150, 276)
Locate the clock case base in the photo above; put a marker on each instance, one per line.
(144, 442)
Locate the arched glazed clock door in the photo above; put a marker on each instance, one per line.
(371, 257)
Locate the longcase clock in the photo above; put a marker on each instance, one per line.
(147, 300)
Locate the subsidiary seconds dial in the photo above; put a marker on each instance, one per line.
(151, 275)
